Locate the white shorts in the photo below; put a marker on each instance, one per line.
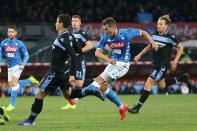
(115, 71)
(14, 72)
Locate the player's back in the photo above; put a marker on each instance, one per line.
(60, 52)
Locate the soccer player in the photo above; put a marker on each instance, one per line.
(161, 60)
(12, 49)
(86, 45)
(62, 50)
(118, 65)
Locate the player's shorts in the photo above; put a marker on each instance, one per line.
(80, 69)
(158, 73)
(52, 81)
(14, 72)
(113, 72)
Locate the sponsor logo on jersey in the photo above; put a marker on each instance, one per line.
(10, 48)
(116, 45)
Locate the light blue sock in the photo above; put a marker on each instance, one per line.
(24, 83)
(14, 93)
(111, 95)
(92, 86)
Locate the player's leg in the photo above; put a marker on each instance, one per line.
(28, 81)
(157, 74)
(144, 96)
(77, 84)
(163, 86)
(91, 89)
(182, 78)
(35, 110)
(48, 85)
(111, 73)
(13, 77)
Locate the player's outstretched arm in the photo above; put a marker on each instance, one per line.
(87, 47)
(143, 52)
(99, 53)
(155, 46)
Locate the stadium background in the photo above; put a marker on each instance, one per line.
(35, 23)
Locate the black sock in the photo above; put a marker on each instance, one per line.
(143, 98)
(88, 82)
(76, 94)
(36, 109)
(171, 81)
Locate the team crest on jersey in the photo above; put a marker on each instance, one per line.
(10, 48)
(116, 45)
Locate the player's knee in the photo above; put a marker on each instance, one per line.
(12, 83)
(40, 95)
(149, 83)
(104, 87)
(79, 83)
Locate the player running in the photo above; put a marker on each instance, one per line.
(161, 61)
(12, 49)
(62, 51)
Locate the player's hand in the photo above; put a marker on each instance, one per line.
(111, 61)
(137, 58)
(0, 69)
(173, 65)
(155, 46)
(72, 80)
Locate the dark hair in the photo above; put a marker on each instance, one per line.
(65, 19)
(166, 18)
(76, 16)
(12, 27)
(109, 21)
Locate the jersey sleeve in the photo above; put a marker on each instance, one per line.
(85, 36)
(133, 32)
(175, 42)
(25, 53)
(102, 43)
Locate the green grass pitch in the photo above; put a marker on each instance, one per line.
(161, 112)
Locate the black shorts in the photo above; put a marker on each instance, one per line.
(80, 70)
(52, 81)
(158, 73)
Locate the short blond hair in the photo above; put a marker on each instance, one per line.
(166, 18)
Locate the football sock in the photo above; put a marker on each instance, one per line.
(143, 98)
(36, 109)
(111, 95)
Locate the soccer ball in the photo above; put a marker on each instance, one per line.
(184, 90)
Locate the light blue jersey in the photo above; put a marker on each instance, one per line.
(12, 50)
(120, 44)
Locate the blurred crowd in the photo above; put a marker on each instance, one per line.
(120, 87)
(95, 10)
